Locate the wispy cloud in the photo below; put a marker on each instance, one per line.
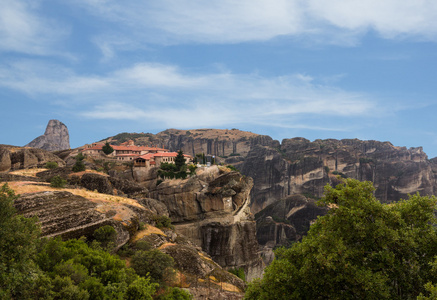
(227, 21)
(23, 30)
(167, 95)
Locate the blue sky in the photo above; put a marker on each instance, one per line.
(362, 69)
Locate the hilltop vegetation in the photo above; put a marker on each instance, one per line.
(33, 268)
(362, 249)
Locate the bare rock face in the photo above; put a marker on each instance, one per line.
(285, 221)
(14, 158)
(5, 160)
(55, 138)
(212, 209)
(304, 167)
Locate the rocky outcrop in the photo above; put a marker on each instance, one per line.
(303, 167)
(68, 215)
(56, 137)
(14, 158)
(71, 216)
(285, 221)
(212, 209)
(5, 159)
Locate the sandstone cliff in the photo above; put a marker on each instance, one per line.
(212, 209)
(56, 137)
(14, 158)
(299, 166)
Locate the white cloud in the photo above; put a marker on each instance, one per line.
(23, 30)
(390, 18)
(165, 94)
(227, 21)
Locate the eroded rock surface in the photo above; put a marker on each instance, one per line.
(14, 158)
(56, 137)
(212, 209)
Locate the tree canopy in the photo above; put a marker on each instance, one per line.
(34, 268)
(180, 161)
(362, 249)
(107, 149)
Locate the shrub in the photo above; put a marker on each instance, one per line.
(163, 222)
(154, 263)
(79, 166)
(51, 165)
(239, 272)
(232, 168)
(105, 235)
(342, 175)
(58, 182)
(192, 169)
(175, 293)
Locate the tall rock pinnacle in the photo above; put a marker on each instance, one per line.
(55, 138)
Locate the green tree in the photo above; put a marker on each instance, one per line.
(51, 165)
(180, 161)
(18, 237)
(362, 249)
(79, 166)
(58, 182)
(107, 149)
(154, 263)
(106, 236)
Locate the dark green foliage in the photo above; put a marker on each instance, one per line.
(239, 272)
(175, 294)
(362, 249)
(326, 169)
(140, 289)
(79, 166)
(165, 166)
(180, 161)
(154, 263)
(31, 268)
(234, 154)
(58, 182)
(76, 271)
(192, 169)
(342, 175)
(162, 221)
(106, 236)
(171, 171)
(129, 249)
(125, 136)
(231, 167)
(19, 276)
(199, 158)
(107, 149)
(51, 165)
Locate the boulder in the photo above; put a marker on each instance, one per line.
(24, 158)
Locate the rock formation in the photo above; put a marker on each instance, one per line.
(299, 166)
(76, 213)
(212, 209)
(14, 158)
(55, 138)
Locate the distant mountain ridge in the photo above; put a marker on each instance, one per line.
(55, 137)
